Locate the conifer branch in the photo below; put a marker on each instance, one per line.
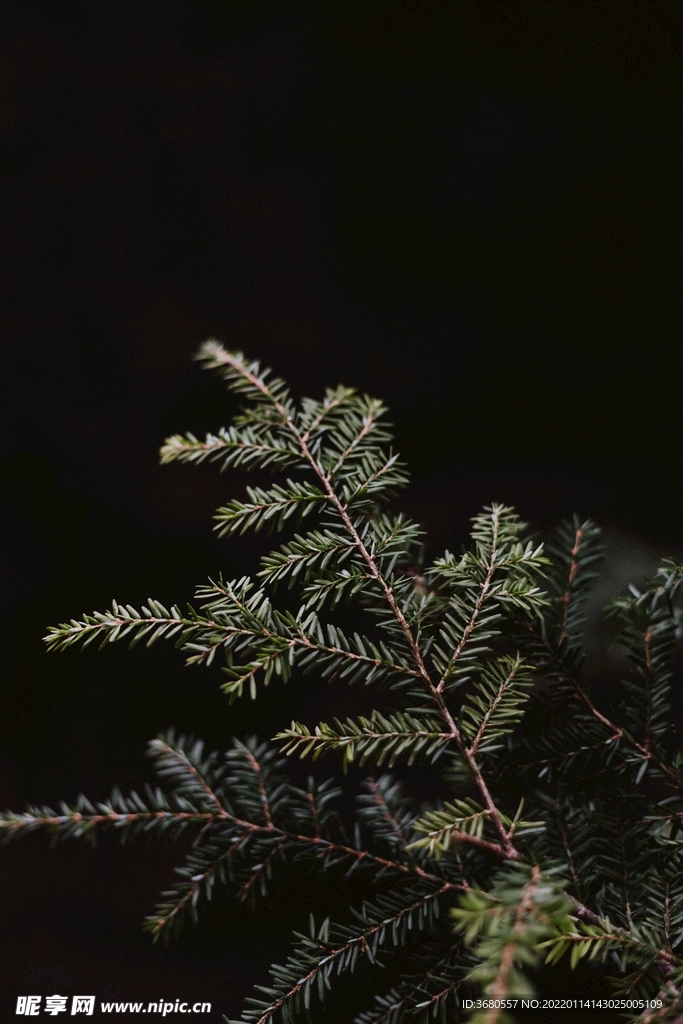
(166, 752)
(461, 822)
(334, 400)
(261, 869)
(245, 449)
(74, 823)
(380, 738)
(380, 800)
(617, 733)
(361, 942)
(219, 356)
(169, 916)
(11, 824)
(499, 704)
(595, 871)
(369, 421)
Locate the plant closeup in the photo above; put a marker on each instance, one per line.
(553, 831)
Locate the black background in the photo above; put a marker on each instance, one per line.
(471, 210)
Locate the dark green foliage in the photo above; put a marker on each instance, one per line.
(557, 827)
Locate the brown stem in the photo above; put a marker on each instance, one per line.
(499, 696)
(511, 852)
(261, 868)
(648, 683)
(180, 906)
(372, 566)
(567, 850)
(618, 734)
(262, 789)
(367, 427)
(99, 819)
(665, 960)
(190, 767)
(386, 813)
(314, 813)
(567, 596)
(505, 852)
(483, 593)
(500, 986)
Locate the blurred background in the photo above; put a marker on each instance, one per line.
(473, 211)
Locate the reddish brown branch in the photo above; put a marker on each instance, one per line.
(567, 596)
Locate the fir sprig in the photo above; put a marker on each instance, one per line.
(558, 826)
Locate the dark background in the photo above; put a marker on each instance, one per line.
(470, 210)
